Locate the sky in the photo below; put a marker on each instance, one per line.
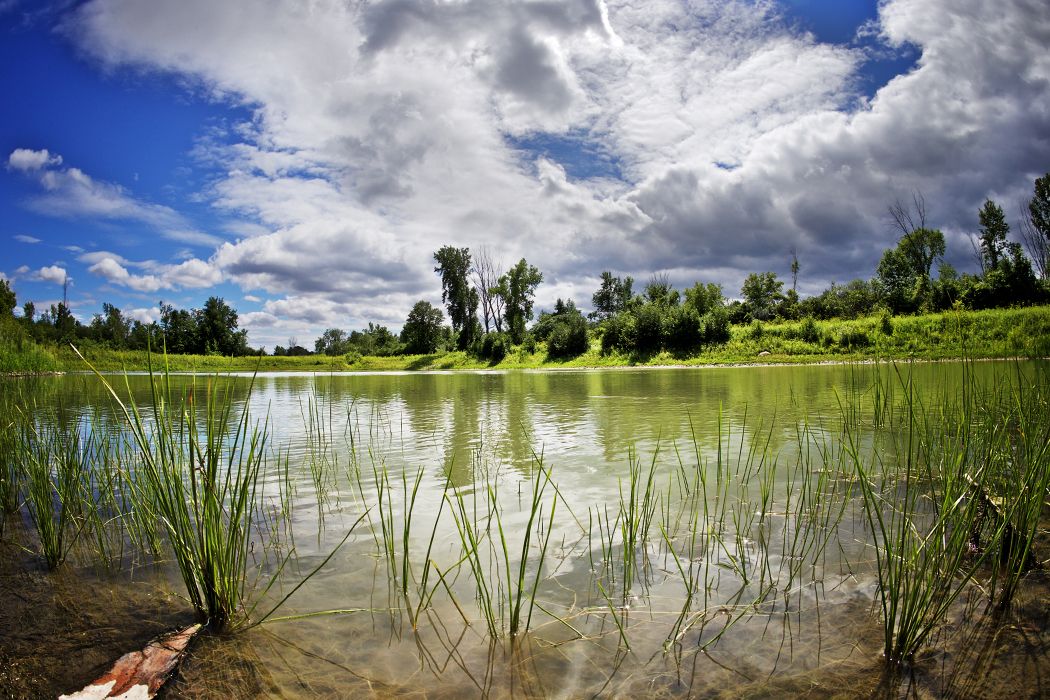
(304, 159)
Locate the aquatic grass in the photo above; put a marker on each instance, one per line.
(53, 460)
(505, 590)
(922, 520)
(198, 468)
(1015, 438)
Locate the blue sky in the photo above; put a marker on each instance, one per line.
(306, 162)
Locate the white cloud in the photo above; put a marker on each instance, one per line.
(380, 133)
(190, 274)
(23, 238)
(52, 273)
(71, 193)
(114, 272)
(143, 315)
(26, 159)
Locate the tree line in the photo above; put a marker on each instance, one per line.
(211, 329)
(489, 308)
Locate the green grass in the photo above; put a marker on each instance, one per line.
(949, 335)
(20, 355)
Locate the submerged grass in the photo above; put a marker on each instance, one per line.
(198, 473)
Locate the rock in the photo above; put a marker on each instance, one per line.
(763, 353)
(138, 675)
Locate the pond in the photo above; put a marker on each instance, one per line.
(658, 532)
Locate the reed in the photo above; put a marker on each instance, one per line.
(922, 515)
(53, 460)
(198, 470)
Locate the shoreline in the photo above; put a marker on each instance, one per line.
(552, 368)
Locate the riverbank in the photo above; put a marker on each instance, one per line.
(951, 335)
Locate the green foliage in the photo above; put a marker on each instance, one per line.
(459, 297)
(422, 330)
(569, 336)
(648, 328)
(808, 332)
(993, 233)
(613, 296)
(8, 301)
(495, 347)
(518, 289)
(703, 298)
(683, 329)
(762, 293)
(1039, 206)
(618, 333)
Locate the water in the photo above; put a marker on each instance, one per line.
(752, 509)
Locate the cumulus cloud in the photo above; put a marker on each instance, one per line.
(72, 193)
(381, 132)
(52, 273)
(26, 159)
(189, 274)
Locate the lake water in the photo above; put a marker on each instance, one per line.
(739, 564)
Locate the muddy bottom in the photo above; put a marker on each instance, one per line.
(60, 630)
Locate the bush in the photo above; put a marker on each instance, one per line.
(648, 328)
(568, 337)
(886, 324)
(494, 347)
(716, 325)
(352, 357)
(852, 340)
(618, 333)
(757, 330)
(809, 331)
(684, 329)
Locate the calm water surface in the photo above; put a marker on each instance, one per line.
(782, 591)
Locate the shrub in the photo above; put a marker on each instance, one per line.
(495, 346)
(886, 324)
(808, 331)
(852, 340)
(618, 333)
(648, 330)
(568, 337)
(684, 329)
(757, 330)
(716, 325)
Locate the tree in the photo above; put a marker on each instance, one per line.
(8, 301)
(1039, 206)
(518, 288)
(111, 326)
(794, 270)
(65, 323)
(660, 292)
(920, 248)
(180, 329)
(1035, 225)
(485, 273)
(762, 293)
(28, 312)
(217, 329)
(612, 297)
(703, 298)
(992, 235)
(457, 294)
(332, 342)
(422, 330)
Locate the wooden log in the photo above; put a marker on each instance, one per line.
(138, 675)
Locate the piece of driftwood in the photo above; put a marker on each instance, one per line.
(138, 675)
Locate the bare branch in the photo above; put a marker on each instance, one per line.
(1037, 245)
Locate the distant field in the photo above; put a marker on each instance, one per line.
(977, 334)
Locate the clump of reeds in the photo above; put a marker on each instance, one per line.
(930, 500)
(197, 471)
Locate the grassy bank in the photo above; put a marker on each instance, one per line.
(977, 334)
(20, 355)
